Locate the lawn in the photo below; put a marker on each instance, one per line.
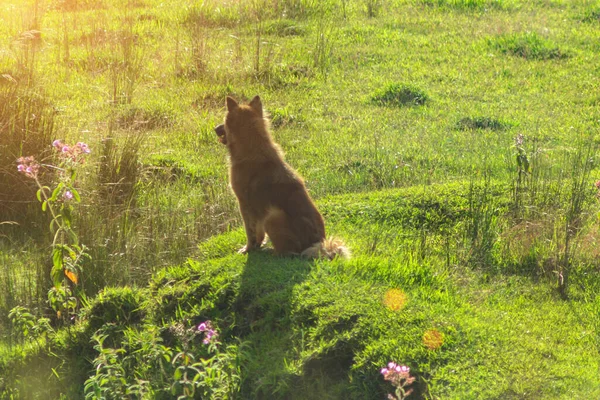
(452, 144)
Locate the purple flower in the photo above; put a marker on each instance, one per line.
(83, 147)
(68, 195)
(57, 144)
(384, 371)
(65, 149)
(210, 333)
(203, 326)
(28, 166)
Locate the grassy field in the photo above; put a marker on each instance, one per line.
(453, 144)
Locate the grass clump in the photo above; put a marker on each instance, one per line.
(529, 46)
(474, 123)
(399, 94)
(120, 306)
(467, 5)
(592, 15)
(284, 27)
(27, 128)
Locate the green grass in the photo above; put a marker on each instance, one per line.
(402, 118)
(322, 329)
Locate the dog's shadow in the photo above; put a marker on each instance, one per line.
(263, 312)
(266, 287)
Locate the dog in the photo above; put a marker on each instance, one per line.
(271, 195)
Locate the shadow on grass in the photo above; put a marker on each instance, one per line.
(263, 318)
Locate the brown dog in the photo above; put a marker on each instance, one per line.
(272, 196)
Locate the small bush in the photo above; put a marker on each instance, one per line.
(472, 123)
(397, 94)
(527, 45)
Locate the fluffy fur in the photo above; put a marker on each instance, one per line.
(272, 197)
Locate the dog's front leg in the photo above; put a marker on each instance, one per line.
(254, 232)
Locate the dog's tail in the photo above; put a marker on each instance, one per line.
(327, 248)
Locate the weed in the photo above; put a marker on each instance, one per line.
(67, 253)
(527, 45)
(583, 162)
(397, 94)
(373, 7)
(591, 16)
(466, 4)
(285, 27)
(493, 124)
(322, 53)
(28, 125)
(119, 170)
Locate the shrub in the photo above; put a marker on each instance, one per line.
(397, 94)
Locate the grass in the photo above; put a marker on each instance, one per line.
(400, 95)
(336, 320)
(401, 116)
(528, 45)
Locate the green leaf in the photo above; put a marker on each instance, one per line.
(178, 374)
(38, 194)
(56, 191)
(76, 195)
(44, 205)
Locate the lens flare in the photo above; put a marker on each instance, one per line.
(395, 299)
(433, 339)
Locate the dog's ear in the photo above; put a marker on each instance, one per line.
(256, 105)
(231, 104)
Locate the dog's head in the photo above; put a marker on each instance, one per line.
(243, 122)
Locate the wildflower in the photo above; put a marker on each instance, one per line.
(597, 184)
(210, 334)
(204, 326)
(71, 152)
(68, 195)
(519, 139)
(83, 147)
(399, 376)
(28, 166)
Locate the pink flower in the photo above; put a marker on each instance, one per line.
(384, 371)
(65, 149)
(68, 195)
(83, 147)
(57, 144)
(203, 326)
(28, 166)
(210, 335)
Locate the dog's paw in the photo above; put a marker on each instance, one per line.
(246, 249)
